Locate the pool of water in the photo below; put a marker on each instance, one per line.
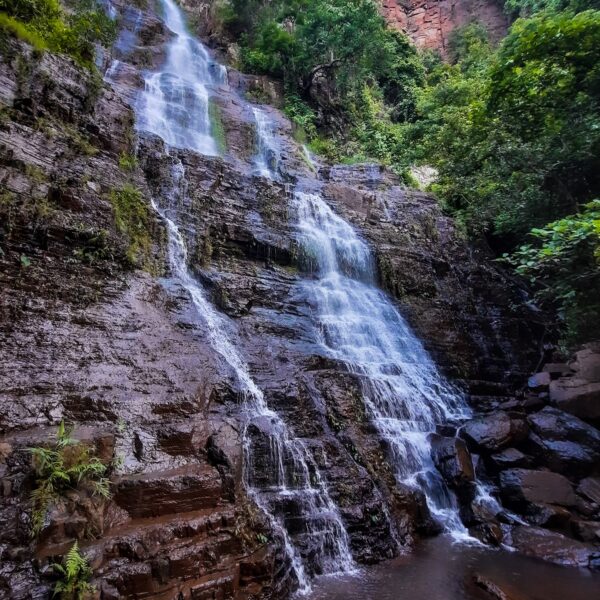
(437, 569)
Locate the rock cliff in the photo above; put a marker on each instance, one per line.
(97, 332)
(430, 23)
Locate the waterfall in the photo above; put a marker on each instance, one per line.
(267, 155)
(280, 473)
(404, 393)
(175, 101)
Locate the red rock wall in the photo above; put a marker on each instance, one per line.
(430, 22)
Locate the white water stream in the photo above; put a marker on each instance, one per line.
(175, 101)
(404, 393)
(280, 472)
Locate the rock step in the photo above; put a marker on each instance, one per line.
(156, 558)
(143, 580)
(193, 524)
(157, 493)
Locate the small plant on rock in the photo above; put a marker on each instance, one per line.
(127, 162)
(75, 573)
(68, 465)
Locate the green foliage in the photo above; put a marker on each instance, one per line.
(302, 115)
(526, 8)
(262, 538)
(563, 263)
(75, 573)
(515, 134)
(46, 25)
(127, 162)
(21, 31)
(331, 54)
(65, 466)
(92, 245)
(132, 218)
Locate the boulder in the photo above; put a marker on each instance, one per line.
(452, 459)
(557, 370)
(587, 363)
(553, 424)
(576, 396)
(551, 546)
(539, 382)
(549, 515)
(494, 432)
(590, 489)
(562, 442)
(510, 458)
(498, 590)
(586, 531)
(488, 533)
(524, 489)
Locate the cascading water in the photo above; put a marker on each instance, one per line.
(403, 391)
(280, 473)
(175, 101)
(267, 155)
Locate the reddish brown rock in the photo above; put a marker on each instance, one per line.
(453, 460)
(563, 443)
(522, 488)
(557, 370)
(539, 382)
(587, 363)
(184, 489)
(509, 459)
(590, 488)
(577, 396)
(430, 24)
(551, 546)
(494, 432)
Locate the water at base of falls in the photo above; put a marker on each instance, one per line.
(404, 393)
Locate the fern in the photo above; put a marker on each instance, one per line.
(75, 575)
(68, 465)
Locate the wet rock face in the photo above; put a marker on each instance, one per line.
(91, 335)
(521, 487)
(430, 24)
(90, 339)
(550, 546)
(494, 432)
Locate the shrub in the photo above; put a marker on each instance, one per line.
(127, 162)
(132, 218)
(65, 466)
(45, 25)
(563, 263)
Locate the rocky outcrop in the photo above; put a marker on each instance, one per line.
(542, 463)
(96, 332)
(430, 24)
(92, 338)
